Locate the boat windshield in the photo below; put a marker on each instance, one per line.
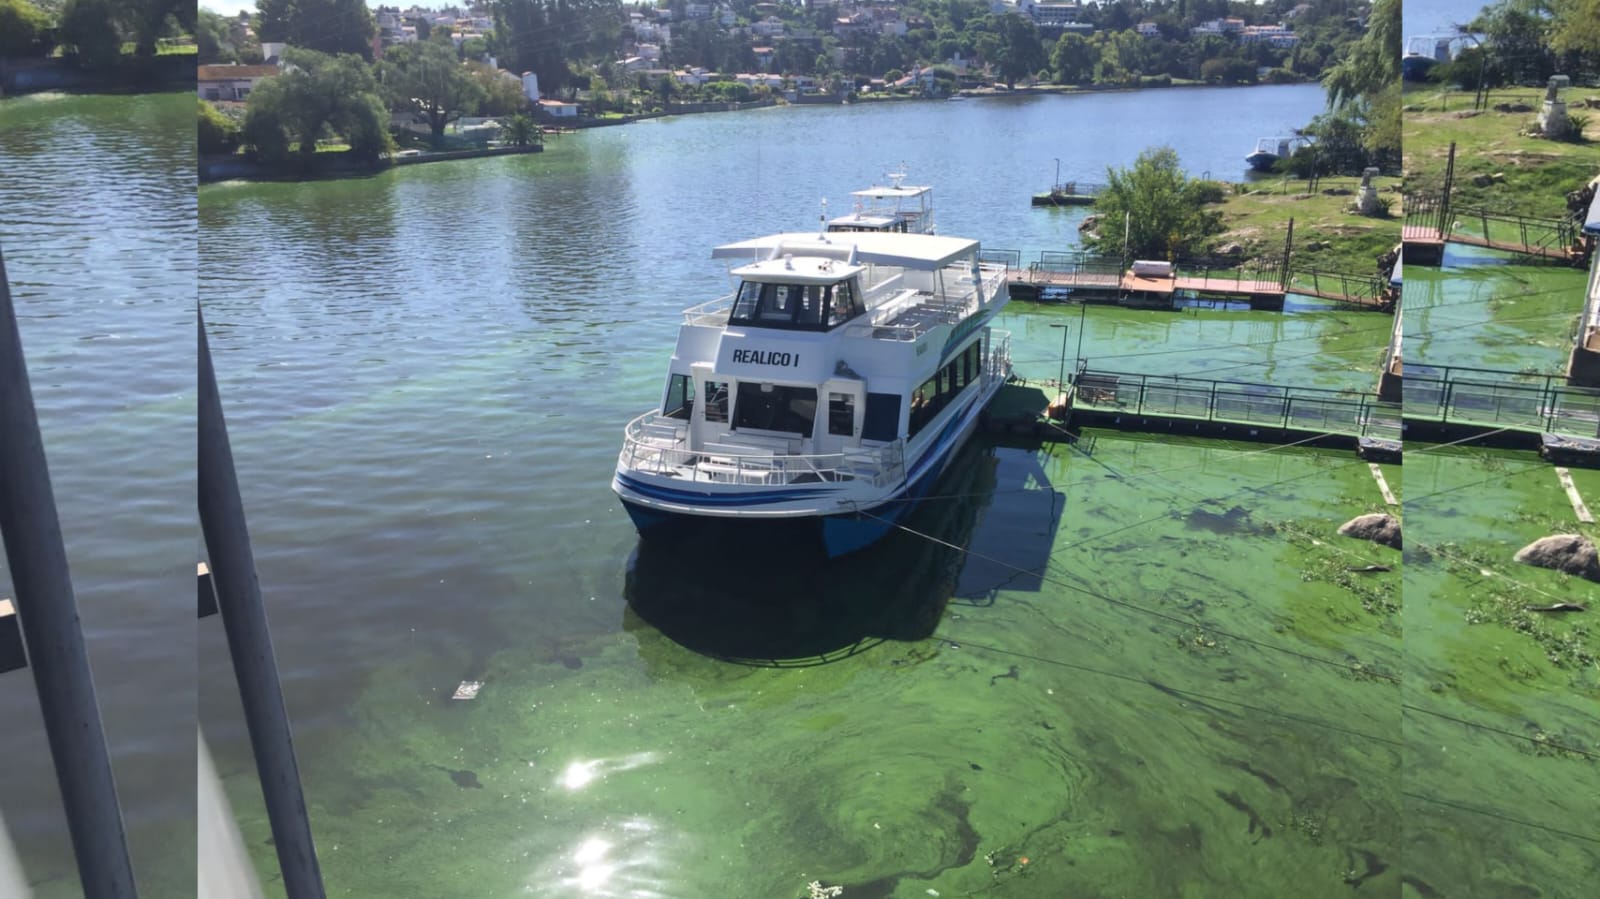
(800, 307)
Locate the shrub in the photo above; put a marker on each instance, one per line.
(218, 134)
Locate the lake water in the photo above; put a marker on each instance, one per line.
(97, 220)
(425, 375)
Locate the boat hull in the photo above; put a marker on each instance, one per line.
(1261, 162)
(1416, 68)
(838, 533)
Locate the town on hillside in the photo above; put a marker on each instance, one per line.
(565, 64)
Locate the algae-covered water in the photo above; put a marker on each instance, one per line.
(1502, 738)
(1484, 309)
(1060, 685)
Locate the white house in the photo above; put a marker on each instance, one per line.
(231, 82)
(556, 109)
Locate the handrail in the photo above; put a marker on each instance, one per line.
(641, 452)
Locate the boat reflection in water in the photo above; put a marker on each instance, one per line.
(761, 596)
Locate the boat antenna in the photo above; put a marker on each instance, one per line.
(822, 221)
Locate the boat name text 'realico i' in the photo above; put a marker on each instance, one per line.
(766, 357)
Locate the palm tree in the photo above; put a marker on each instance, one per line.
(521, 131)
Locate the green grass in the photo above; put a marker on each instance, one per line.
(1538, 173)
(1257, 217)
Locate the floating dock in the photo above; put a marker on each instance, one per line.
(1198, 407)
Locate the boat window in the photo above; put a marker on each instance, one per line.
(845, 304)
(805, 307)
(882, 420)
(841, 414)
(680, 397)
(811, 305)
(773, 407)
(745, 304)
(925, 404)
(717, 401)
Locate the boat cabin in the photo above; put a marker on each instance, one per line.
(806, 294)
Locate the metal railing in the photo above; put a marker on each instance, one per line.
(1360, 289)
(1263, 405)
(1505, 399)
(655, 444)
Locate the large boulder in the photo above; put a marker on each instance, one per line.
(1572, 553)
(1377, 527)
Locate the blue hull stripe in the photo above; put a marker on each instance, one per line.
(720, 500)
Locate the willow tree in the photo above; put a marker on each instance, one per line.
(1364, 86)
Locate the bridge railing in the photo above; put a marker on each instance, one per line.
(1264, 405)
(1506, 399)
(1366, 289)
(1508, 231)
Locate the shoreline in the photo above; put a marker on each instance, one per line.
(214, 169)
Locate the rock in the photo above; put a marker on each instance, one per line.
(1377, 527)
(1481, 181)
(1089, 223)
(1521, 107)
(1337, 191)
(1230, 249)
(1498, 178)
(1314, 245)
(1571, 553)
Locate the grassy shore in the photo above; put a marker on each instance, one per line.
(1537, 173)
(1328, 234)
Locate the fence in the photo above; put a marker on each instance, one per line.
(1264, 405)
(1504, 399)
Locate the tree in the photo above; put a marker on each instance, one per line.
(318, 92)
(426, 78)
(90, 28)
(1164, 210)
(214, 39)
(521, 131)
(501, 95)
(21, 25)
(1021, 52)
(1073, 60)
(327, 26)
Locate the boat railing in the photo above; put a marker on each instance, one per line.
(999, 367)
(713, 312)
(913, 313)
(656, 444)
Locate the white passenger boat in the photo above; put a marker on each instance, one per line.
(897, 207)
(830, 389)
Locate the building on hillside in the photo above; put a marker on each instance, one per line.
(1148, 29)
(558, 110)
(230, 83)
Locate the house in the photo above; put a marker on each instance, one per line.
(1148, 29)
(232, 82)
(557, 109)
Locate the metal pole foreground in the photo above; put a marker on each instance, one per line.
(48, 613)
(244, 618)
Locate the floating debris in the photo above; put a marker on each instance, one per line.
(468, 689)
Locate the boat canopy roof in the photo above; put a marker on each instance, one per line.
(801, 270)
(926, 252)
(891, 193)
(1591, 224)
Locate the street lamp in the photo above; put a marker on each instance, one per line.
(1061, 373)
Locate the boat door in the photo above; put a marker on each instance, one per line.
(709, 421)
(845, 402)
